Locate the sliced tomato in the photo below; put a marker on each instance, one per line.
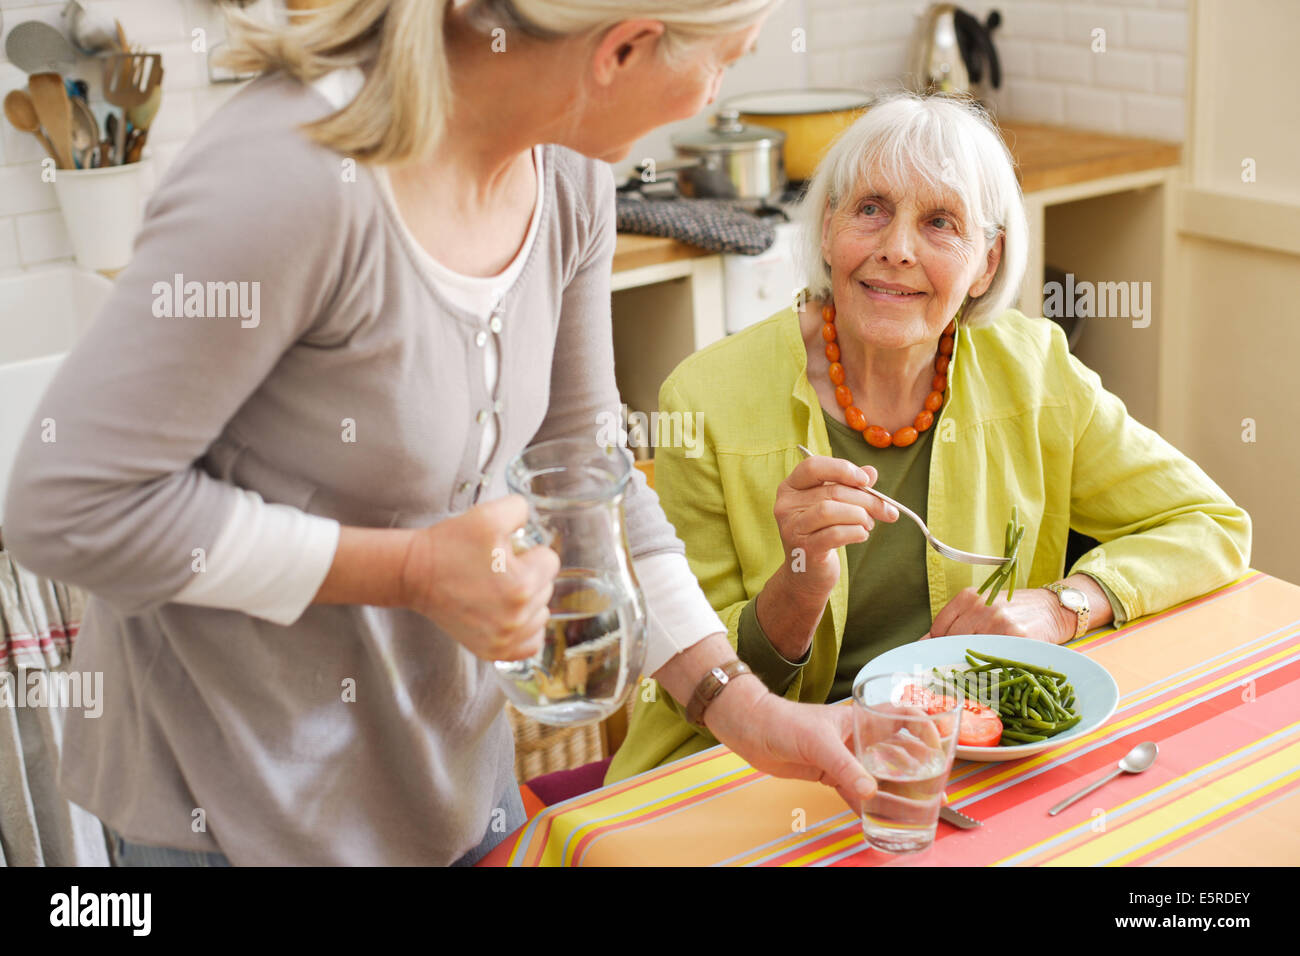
(914, 695)
(980, 726)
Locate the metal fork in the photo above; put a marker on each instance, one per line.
(956, 554)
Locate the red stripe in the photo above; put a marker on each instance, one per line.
(1104, 758)
(1091, 761)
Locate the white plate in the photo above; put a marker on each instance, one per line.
(1095, 692)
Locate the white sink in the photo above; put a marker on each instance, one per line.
(42, 314)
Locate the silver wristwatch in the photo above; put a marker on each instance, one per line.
(1072, 599)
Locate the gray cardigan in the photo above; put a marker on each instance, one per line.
(158, 417)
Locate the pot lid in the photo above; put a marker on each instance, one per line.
(788, 102)
(726, 132)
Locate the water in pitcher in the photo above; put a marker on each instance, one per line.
(583, 671)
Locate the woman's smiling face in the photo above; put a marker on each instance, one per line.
(902, 261)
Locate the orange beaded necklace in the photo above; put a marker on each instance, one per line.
(876, 435)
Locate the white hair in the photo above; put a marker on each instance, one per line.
(943, 145)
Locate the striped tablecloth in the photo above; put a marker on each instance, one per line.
(1215, 682)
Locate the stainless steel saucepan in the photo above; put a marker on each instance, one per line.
(730, 160)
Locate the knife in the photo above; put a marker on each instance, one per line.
(958, 819)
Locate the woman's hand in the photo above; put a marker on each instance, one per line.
(785, 739)
(820, 507)
(1032, 612)
(463, 574)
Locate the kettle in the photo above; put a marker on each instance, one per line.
(950, 50)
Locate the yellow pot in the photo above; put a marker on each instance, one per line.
(811, 120)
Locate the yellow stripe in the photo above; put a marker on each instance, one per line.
(1135, 835)
(639, 801)
(1082, 828)
(1111, 727)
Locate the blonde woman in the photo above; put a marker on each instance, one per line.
(906, 369)
(287, 517)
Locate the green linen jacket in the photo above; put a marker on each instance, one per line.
(1024, 423)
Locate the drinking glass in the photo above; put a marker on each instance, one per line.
(909, 752)
(595, 640)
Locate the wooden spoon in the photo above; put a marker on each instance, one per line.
(55, 113)
(21, 113)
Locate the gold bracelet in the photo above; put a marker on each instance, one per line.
(711, 685)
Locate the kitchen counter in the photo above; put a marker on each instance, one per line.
(1046, 157)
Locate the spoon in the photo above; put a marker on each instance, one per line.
(85, 132)
(54, 110)
(947, 550)
(21, 113)
(1135, 761)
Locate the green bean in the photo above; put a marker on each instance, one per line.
(1032, 669)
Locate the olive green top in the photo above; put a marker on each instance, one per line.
(889, 597)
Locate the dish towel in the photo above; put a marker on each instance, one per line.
(39, 621)
(718, 225)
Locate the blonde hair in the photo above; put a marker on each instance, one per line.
(946, 144)
(401, 111)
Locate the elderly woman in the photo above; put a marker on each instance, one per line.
(291, 526)
(904, 370)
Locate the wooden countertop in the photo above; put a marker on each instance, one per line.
(1050, 156)
(1046, 157)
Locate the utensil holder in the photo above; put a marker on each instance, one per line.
(103, 209)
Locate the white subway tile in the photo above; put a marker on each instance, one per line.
(1171, 74)
(42, 237)
(23, 191)
(1154, 117)
(8, 245)
(1016, 57)
(824, 69)
(838, 29)
(1160, 30)
(1094, 109)
(1035, 102)
(1065, 64)
(872, 67)
(146, 22)
(1081, 20)
(184, 69)
(1033, 21)
(1122, 70)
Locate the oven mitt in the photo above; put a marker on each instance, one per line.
(717, 225)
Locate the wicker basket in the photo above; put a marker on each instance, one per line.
(540, 748)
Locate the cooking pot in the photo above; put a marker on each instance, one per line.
(810, 119)
(730, 160)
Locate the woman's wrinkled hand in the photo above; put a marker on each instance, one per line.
(462, 574)
(1033, 612)
(821, 506)
(785, 739)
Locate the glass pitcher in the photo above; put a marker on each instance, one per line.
(595, 640)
